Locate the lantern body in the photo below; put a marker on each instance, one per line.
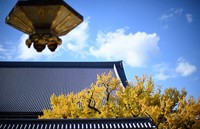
(44, 21)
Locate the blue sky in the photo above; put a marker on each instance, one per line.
(152, 37)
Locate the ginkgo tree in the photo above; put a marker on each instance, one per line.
(107, 98)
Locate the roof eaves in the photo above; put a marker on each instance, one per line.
(8, 64)
(118, 67)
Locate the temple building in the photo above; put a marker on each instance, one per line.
(26, 87)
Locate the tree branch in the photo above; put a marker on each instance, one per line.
(93, 107)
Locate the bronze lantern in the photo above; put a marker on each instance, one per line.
(44, 21)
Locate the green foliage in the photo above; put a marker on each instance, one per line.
(107, 98)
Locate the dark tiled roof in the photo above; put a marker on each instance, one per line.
(25, 89)
(112, 123)
(27, 86)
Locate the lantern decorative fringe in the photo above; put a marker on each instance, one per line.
(40, 41)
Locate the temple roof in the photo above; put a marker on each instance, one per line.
(105, 123)
(27, 86)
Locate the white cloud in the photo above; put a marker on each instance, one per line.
(172, 12)
(189, 17)
(2, 49)
(165, 27)
(76, 40)
(7, 54)
(134, 49)
(177, 10)
(163, 72)
(166, 16)
(184, 68)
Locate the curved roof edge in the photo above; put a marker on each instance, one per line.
(121, 73)
(112, 64)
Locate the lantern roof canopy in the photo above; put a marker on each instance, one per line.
(43, 16)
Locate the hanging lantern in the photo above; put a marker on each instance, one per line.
(44, 21)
